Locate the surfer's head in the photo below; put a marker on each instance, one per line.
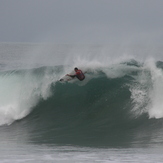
(75, 69)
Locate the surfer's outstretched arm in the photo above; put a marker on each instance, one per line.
(79, 74)
(71, 75)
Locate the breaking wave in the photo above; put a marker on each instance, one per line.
(111, 100)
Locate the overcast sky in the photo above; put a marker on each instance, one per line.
(81, 21)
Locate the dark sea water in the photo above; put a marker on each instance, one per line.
(114, 115)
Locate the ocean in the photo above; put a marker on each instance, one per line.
(115, 115)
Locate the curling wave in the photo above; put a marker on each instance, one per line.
(110, 101)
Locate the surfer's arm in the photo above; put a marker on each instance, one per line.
(71, 75)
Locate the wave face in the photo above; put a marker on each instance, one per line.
(113, 105)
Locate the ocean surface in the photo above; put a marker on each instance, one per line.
(115, 115)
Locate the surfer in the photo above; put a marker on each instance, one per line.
(79, 74)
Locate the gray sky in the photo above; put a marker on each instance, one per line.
(81, 21)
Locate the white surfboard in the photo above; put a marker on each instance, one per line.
(66, 78)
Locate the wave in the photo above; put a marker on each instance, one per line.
(110, 100)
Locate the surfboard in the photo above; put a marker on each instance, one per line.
(65, 78)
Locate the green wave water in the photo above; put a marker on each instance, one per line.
(114, 106)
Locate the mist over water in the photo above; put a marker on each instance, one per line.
(34, 55)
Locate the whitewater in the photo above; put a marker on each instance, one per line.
(114, 115)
